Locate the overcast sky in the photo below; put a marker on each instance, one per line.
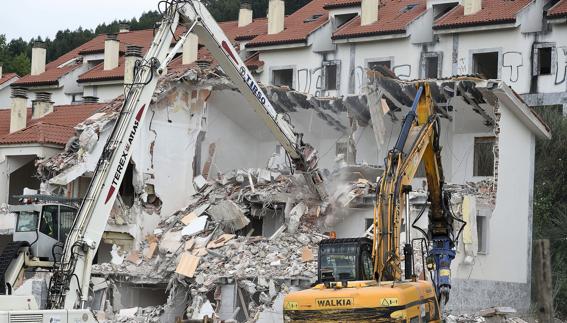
(31, 18)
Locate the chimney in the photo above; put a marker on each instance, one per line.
(472, 6)
(90, 99)
(276, 15)
(111, 52)
(19, 111)
(133, 53)
(369, 12)
(123, 28)
(245, 15)
(42, 105)
(190, 49)
(39, 53)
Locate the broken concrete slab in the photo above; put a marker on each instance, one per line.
(195, 227)
(295, 216)
(171, 242)
(200, 183)
(187, 265)
(229, 215)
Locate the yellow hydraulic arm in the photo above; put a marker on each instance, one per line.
(418, 142)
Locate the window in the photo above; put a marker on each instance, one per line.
(343, 266)
(431, 67)
(67, 217)
(48, 225)
(283, 77)
(486, 64)
(482, 233)
(368, 223)
(27, 221)
(342, 19)
(375, 66)
(367, 265)
(543, 57)
(483, 156)
(330, 70)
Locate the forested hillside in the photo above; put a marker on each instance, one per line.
(15, 55)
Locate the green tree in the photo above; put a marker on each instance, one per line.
(550, 199)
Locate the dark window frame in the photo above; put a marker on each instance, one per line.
(282, 70)
(337, 75)
(537, 59)
(479, 156)
(482, 68)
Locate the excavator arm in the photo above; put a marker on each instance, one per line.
(71, 277)
(418, 142)
(303, 156)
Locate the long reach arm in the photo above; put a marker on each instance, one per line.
(70, 283)
(418, 142)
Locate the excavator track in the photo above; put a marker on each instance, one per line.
(10, 253)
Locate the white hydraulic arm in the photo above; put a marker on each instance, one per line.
(303, 156)
(71, 278)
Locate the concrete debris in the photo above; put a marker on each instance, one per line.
(295, 216)
(229, 215)
(195, 227)
(200, 183)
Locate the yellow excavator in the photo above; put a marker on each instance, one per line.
(360, 279)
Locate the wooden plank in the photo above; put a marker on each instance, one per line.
(187, 265)
(543, 281)
(151, 250)
(306, 254)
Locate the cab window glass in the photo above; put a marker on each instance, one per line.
(343, 266)
(27, 221)
(367, 266)
(414, 320)
(67, 216)
(48, 224)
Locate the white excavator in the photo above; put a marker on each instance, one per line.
(71, 265)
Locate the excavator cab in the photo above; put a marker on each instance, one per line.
(347, 259)
(42, 226)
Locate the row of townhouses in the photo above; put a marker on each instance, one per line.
(496, 59)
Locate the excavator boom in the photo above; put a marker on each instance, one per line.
(384, 294)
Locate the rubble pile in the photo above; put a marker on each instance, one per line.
(216, 241)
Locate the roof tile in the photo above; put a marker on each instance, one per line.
(492, 12)
(7, 77)
(558, 10)
(393, 17)
(297, 26)
(55, 128)
(334, 4)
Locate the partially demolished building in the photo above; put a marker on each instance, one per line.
(210, 220)
(210, 216)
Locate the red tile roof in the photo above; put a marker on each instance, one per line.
(334, 4)
(54, 128)
(393, 17)
(7, 77)
(49, 77)
(234, 33)
(558, 10)
(98, 73)
(254, 62)
(492, 12)
(297, 26)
